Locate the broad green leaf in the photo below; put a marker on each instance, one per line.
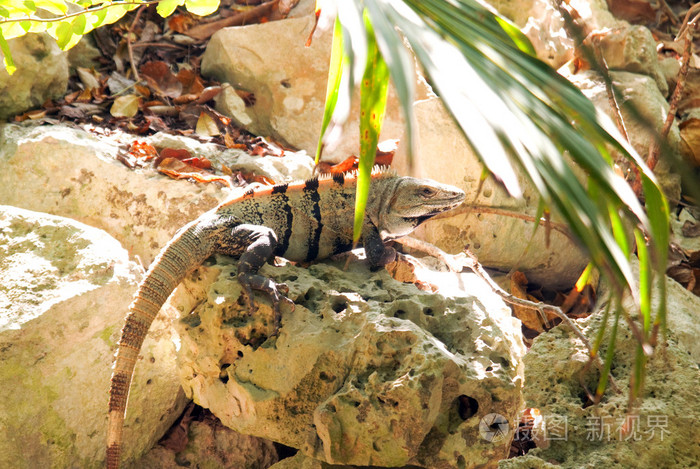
(65, 37)
(12, 30)
(373, 94)
(79, 25)
(202, 7)
(166, 7)
(114, 13)
(29, 5)
(57, 7)
(7, 55)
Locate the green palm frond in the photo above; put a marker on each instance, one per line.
(520, 116)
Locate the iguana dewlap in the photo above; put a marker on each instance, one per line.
(301, 221)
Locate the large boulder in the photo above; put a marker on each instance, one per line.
(69, 172)
(66, 287)
(643, 109)
(42, 74)
(499, 240)
(660, 430)
(288, 84)
(364, 371)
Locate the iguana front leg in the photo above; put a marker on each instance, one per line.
(378, 254)
(261, 242)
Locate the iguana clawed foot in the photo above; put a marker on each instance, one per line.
(277, 291)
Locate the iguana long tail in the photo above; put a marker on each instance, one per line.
(187, 250)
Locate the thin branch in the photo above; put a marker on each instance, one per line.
(653, 156)
(467, 208)
(55, 19)
(162, 45)
(129, 46)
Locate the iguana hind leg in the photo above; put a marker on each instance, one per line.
(261, 242)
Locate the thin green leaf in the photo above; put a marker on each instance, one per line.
(609, 355)
(7, 56)
(401, 69)
(517, 36)
(639, 373)
(645, 280)
(335, 72)
(601, 331)
(373, 96)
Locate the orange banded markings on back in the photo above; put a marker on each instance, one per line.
(322, 182)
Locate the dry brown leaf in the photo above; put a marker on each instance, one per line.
(161, 79)
(177, 169)
(206, 126)
(530, 317)
(125, 106)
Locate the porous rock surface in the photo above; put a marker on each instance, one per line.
(364, 371)
(57, 341)
(661, 432)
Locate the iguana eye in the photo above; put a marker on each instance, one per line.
(427, 192)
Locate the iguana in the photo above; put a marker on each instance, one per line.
(301, 221)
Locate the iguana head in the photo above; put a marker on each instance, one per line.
(410, 202)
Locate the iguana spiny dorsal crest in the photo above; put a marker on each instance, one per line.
(301, 221)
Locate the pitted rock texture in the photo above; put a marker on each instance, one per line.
(62, 300)
(364, 371)
(662, 431)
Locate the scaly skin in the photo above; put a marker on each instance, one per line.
(302, 222)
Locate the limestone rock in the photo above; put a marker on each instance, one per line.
(642, 92)
(364, 371)
(499, 241)
(518, 11)
(631, 49)
(288, 83)
(71, 173)
(65, 289)
(42, 73)
(662, 433)
(546, 30)
(84, 54)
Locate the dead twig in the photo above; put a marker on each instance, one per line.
(129, 46)
(205, 31)
(686, 33)
(467, 208)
